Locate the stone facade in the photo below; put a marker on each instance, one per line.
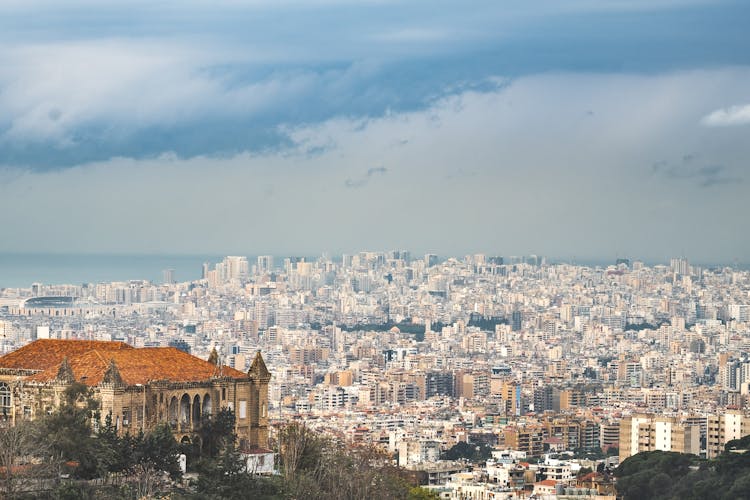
(139, 388)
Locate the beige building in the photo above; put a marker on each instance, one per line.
(647, 432)
(720, 429)
(139, 388)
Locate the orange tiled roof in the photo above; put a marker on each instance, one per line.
(139, 366)
(45, 353)
(590, 476)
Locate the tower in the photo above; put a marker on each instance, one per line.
(259, 379)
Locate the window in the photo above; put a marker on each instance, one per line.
(6, 410)
(243, 409)
(223, 393)
(125, 417)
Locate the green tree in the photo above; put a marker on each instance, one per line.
(114, 454)
(217, 433)
(222, 470)
(68, 432)
(417, 493)
(154, 454)
(226, 477)
(466, 451)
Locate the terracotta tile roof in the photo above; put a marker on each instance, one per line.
(45, 353)
(590, 476)
(139, 366)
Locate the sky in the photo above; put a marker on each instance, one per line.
(580, 129)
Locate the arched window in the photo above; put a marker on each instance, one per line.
(6, 410)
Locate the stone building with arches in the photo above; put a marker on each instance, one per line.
(139, 388)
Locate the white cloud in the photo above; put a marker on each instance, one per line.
(50, 91)
(552, 164)
(727, 117)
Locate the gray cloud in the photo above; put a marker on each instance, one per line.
(363, 180)
(217, 81)
(576, 195)
(704, 176)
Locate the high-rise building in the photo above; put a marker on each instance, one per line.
(265, 264)
(236, 268)
(168, 275)
(430, 259)
(680, 266)
(516, 319)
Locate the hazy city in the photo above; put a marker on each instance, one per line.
(362, 250)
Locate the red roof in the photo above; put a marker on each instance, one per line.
(90, 360)
(44, 353)
(590, 476)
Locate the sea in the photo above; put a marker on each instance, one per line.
(20, 270)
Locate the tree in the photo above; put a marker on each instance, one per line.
(466, 451)
(584, 471)
(417, 493)
(225, 477)
(21, 459)
(223, 471)
(114, 454)
(299, 449)
(67, 430)
(217, 433)
(322, 468)
(154, 454)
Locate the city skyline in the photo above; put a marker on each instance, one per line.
(20, 270)
(587, 130)
(536, 375)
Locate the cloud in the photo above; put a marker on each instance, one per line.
(540, 163)
(704, 176)
(363, 180)
(728, 117)
(89, 81)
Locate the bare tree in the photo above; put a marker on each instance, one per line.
(21, 460)
(299, 448)
(315, 467)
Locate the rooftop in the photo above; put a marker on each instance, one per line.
(90, 361)
(45, 353)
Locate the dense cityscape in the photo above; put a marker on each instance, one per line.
(545, 370)
(374, 250)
